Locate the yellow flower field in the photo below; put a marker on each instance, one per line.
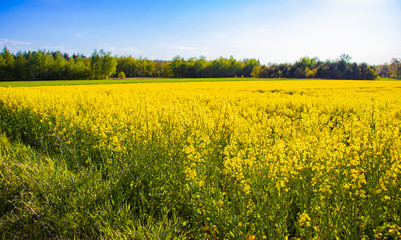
(232, 160)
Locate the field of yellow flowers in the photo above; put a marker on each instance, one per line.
(216, 160)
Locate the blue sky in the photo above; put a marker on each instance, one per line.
(271, 30)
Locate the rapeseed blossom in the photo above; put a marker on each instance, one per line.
(278, 156)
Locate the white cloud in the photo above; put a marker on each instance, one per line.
(14, 45)
(359, 2)
(324, 29)
(58, 48)
(125, 51)
(186, 51)
(185, 48)
(54, 48)
(5, 41)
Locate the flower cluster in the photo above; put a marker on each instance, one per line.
(246, 160)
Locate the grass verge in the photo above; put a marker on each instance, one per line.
(41, 199)
(137, 80)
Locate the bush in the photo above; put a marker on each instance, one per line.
(121, 75)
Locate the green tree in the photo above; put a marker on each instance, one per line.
(79, 68)
(8, 64)
(59, 65)
(221, 67)
(256, 71)
(178, 66)
(299, 73)
(21, 71)
(103, 65)
(310, 73)
(395, 68)
(127, 65)
(150, 68)
(3, 68)
(200, 66)
(165, 70)
(384, 70)
(121, 75)
(33, 63)
(249, 64)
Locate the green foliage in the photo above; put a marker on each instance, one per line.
(256, 71)
(41, 199)
(314, 68)
(121, 75)
(131, 80)
(41, 65)
(103, 65)
(221, 67)
(395, 68)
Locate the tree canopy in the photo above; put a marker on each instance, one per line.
(314, 68)
(392, 70)
(54, 65)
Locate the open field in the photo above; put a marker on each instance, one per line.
(202, 160)
(144, 80)
(119, 81)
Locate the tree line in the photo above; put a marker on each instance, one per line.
(305, 67)
(392, 70)
(54, 65)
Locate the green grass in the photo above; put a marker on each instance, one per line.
(144, 80)
(389, 79)
(41, 199)
(119, 81)
(135, 80)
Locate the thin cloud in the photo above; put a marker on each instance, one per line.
(5, 41)
(14, 45)
(54, 48)
(185, 48)
(58, 48)
(360, 2)
(325, 29)
(119, 51)
(189, 52)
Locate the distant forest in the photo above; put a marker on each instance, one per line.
(54, 65)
